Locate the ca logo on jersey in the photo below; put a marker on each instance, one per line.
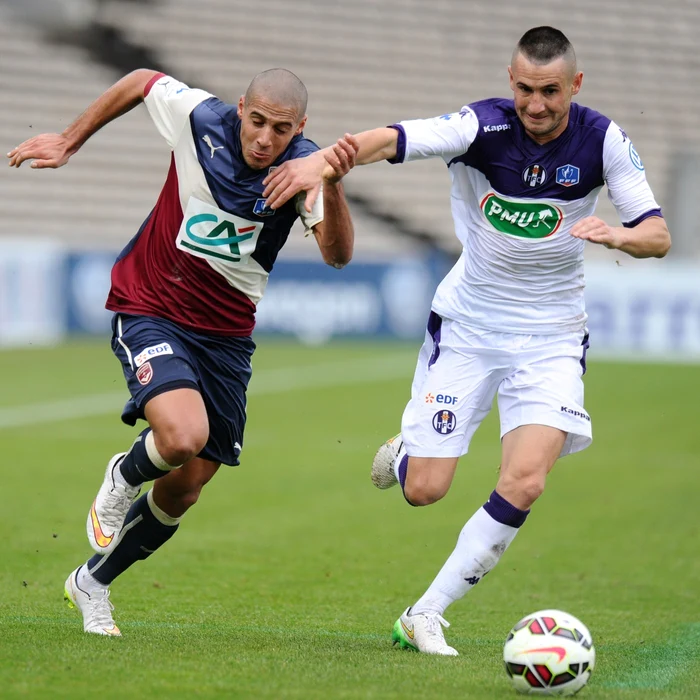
(209, 232)
(525, 219)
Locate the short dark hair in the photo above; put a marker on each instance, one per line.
(282, 86)
(543, 45)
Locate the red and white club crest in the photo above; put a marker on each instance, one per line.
(144, 373)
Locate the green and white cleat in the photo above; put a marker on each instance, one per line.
(383, 475)
(422, 633)
(94, 605)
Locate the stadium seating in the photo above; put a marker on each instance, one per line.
(366, 63)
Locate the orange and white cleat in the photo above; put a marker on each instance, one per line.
(108, 512)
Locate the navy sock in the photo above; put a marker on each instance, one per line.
(137, 466)
(504, 512)
(141, 535)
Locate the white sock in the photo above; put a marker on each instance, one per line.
(87, 581)
(479, 547)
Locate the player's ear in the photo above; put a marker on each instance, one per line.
(511, 79)
(576, 85)
(241, 104)
(301, 126)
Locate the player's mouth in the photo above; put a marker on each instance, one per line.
(257, 155)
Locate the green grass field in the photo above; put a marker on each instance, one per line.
(286, 578)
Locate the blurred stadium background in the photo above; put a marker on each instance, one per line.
(306, 565)
(366, 63)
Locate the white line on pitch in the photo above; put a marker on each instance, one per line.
(271, 381)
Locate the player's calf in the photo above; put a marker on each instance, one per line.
(179, 491)
(427, 479)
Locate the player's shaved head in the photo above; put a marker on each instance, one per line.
(280, 86)
(542, 45)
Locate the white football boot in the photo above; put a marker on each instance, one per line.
(422, 633)
(108, 512)
(383, 474)
(94, 605)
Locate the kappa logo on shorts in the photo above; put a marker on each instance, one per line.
(153, 351)
(444, 422)
(576, 414)
(144, 373)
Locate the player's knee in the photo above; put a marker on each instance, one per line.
(522, 491)
(423, 493)
(177, 447)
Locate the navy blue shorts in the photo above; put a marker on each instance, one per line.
(159, 356)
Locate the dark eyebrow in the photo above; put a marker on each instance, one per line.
(264, 118)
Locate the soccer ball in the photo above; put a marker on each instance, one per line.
(549, 653)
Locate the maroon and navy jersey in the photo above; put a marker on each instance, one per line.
(203, 255)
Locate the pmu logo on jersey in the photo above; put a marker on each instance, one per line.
(261, 208)
(568, 175)
(522, 218)
(534, 175)
(444, 422)
(208, 232)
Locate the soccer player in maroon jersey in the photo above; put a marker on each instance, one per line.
(184, 293)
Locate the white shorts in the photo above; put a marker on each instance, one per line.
(537, 379)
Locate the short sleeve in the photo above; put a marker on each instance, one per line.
(315, 216)
(169, 103)
(624, 175)
(447, 136)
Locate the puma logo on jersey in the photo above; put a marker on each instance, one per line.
(207, 140)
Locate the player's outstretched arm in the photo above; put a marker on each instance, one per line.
(54, 150)
(306, 174)
(335, 235)
(648, 239)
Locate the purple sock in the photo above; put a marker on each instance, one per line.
(503, 512)
(403, 469)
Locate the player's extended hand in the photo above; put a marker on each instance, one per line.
(596, 230)
(44, 150)
(341, 157)
(307, 174)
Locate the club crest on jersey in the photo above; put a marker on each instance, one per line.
(534, 175)
(210, 233)
(144, 373)
(261, 209)
(568, 175)
(444, 422)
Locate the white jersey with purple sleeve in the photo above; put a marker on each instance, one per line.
(514, 203)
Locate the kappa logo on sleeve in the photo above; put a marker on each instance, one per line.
(153, 351)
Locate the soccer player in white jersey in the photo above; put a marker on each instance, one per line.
(509, 319)
(184, 293)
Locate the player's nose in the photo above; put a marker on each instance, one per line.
(264, 138)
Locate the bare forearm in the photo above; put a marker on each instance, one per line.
(336, 236)
(648, 239)
(376, 145)
(122, 97)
